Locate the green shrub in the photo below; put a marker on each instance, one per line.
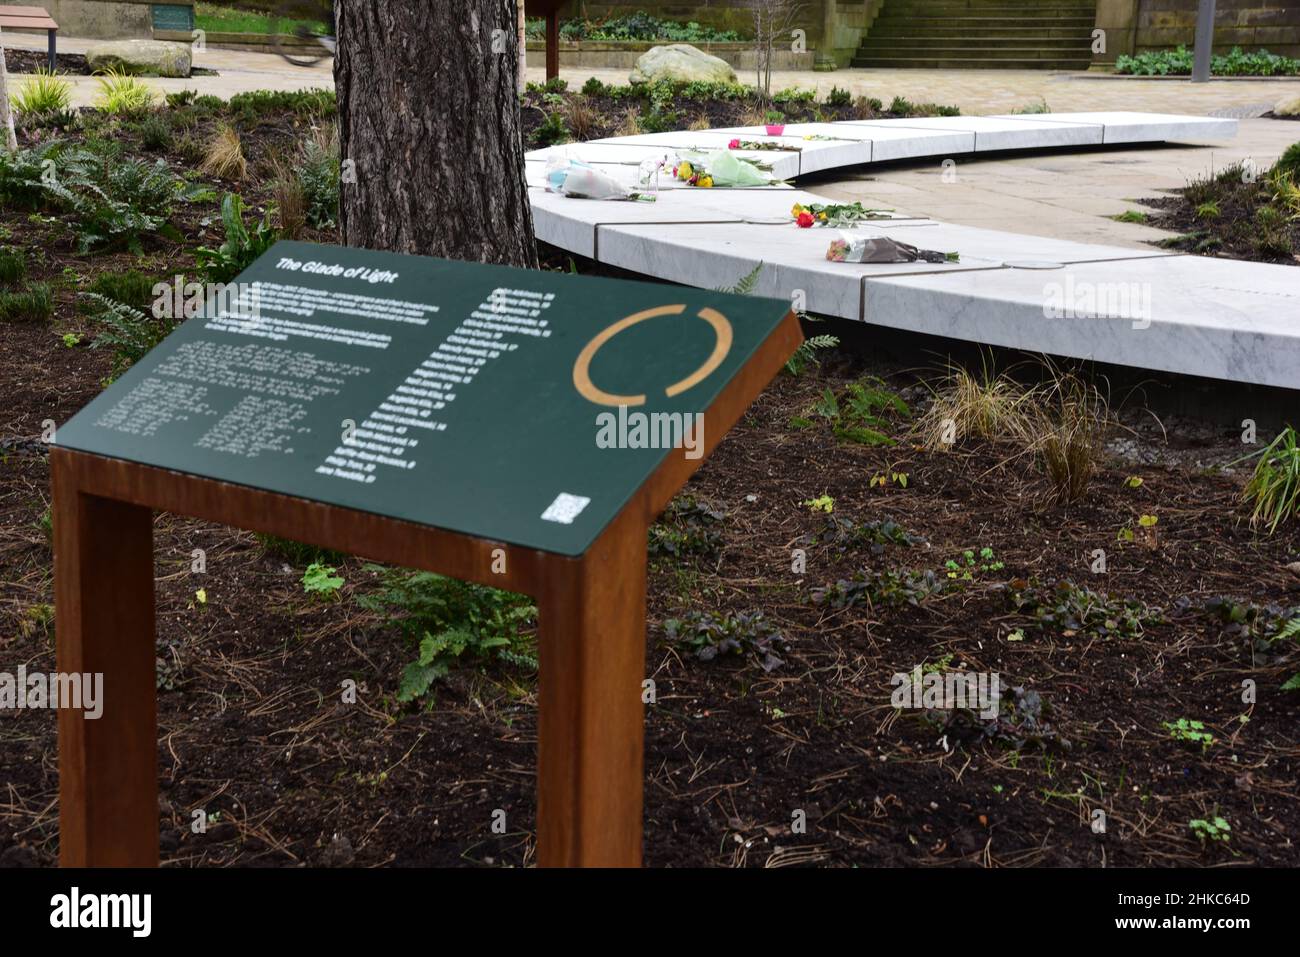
(1274, 488)
(118, 200)
(905, 107)
(794, 95)
(33, 304)
(1288, 163)
(132, 288)
(22, 172)
(633, 26)
(320, 175)
(551, 131)
(711, 634)
(241, 247)
(258, 103)
(207, 103)
(181, 98)
(838, 97)
(659, 120)
(42, 93)
(13, 265)
(1178, 62)
(121, 94)
(155, 133)
(593, 87)
(453, 622)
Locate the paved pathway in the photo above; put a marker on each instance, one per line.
(1062, 196)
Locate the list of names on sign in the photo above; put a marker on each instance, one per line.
(427, 390)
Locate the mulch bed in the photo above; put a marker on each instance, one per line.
(32, 61)
(253, 731)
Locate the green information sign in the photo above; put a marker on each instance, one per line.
(513, 405)
(173, 16)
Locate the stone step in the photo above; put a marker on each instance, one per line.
(924, 8)
(969, 63)
(1012, 29)
(918, 42)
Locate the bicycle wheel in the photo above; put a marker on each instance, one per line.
(297, 32)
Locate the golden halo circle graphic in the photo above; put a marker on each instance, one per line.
(582, 367)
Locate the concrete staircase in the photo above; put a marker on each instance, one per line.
(981, 34)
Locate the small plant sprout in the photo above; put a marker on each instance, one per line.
(1214, 830)
(969, 563)
(1190, 732)
(321, 580)
(823, 503)
(1133, 481)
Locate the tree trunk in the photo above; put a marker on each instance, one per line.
(6, 114)
(522, 82)
(429, 129)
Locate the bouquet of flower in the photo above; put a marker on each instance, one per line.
(841, 215)
(720, 168)
(881, 249)
(570, 177)
(761, 145)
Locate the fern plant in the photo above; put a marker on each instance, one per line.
(117, 200)
(806, 354)
(128, 331)
(453, 622)
(320, 174)
(241, 247)
(22, 173)
(1289, 632)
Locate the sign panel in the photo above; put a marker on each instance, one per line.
(514, 405)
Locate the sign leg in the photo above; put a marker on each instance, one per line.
(104, 625)
(591, 718)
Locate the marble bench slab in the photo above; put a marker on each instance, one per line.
(812, 155)
(572, 223)
(629, 176)
(1004, 133)
(712, 254)
(887, 143)
(633, 150)
(1128, 127)
(1193, 315)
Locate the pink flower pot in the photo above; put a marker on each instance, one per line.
(775, 129)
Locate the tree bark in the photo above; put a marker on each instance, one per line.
(6, 114)
(429, 129)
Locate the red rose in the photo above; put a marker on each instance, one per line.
(734, 145)
(805, 220)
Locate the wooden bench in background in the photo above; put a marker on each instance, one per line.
(31, 18)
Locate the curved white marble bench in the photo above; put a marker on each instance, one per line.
(1137, 307)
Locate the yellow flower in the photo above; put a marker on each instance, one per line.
(822, 216)
(795, 210)
(705, 181)
(684, 170)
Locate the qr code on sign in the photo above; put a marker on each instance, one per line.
(565, 508)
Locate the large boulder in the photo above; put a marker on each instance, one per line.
(681, 63)
(1287, 106)
(141, 57)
